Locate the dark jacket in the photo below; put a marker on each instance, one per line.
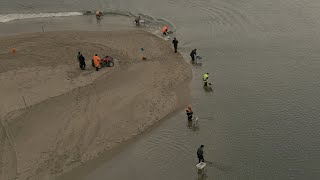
(193, 53)
(200, 152)
(175, 42)
(81, 59)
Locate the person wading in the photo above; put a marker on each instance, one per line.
(193, 55)
(200, 153)
(175, 44)
(189, 113)
(137, 20)
(98, 16)
(205, 79)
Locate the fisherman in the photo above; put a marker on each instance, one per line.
(200, 153)
(205, 78)
(98, 16)
(175, 44)
(189, 113)
(193, 55)
(164, 30)
(137, 20)
(96, 61)
(82, 62)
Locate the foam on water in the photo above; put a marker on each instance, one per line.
(11, 17)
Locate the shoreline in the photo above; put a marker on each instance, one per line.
(99, 105)
(84, 169)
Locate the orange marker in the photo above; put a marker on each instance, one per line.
(13, 50)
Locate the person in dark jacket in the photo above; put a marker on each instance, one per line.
(200, 153)
(137, 20)
(189, 113)
(175, 44)
(82, 62)
(193, 55)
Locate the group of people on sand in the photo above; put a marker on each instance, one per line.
(96, 61)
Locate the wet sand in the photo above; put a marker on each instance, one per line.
(55, 117)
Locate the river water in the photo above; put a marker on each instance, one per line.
(261, 121)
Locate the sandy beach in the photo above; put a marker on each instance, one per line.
(55, 116)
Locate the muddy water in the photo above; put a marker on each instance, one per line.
(261, 121)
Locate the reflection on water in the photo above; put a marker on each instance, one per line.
(193, 126)
(196, 63)
(202, 176)
(219, 166)
(208, 88)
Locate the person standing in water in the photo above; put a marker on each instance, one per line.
(200, 153)
(175, 44)
(137, 20)
(189, 113)
(205, 79)
(193, 55)
(98, 16)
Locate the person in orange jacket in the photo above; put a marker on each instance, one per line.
(164, 30)
(96, 61)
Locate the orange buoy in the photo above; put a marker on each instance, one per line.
(13, 50)
(164, 29)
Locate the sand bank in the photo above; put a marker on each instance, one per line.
(55, 116)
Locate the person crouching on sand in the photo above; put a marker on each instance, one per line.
(96, 62)
(137, 20)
